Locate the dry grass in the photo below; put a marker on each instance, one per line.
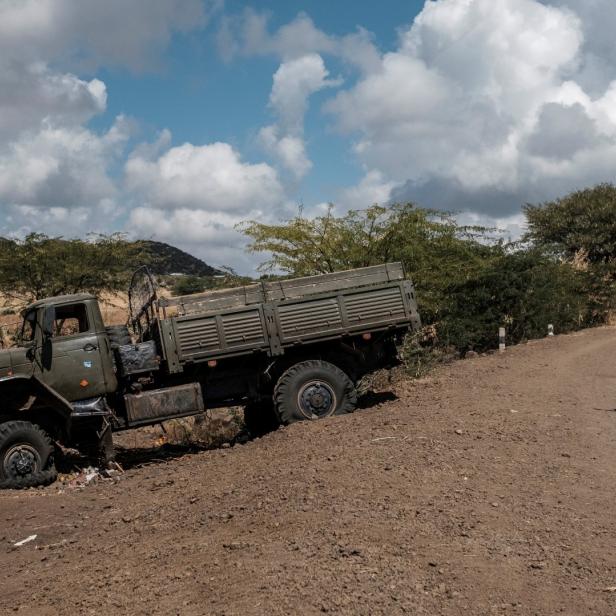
(114, 308)
(212, 429)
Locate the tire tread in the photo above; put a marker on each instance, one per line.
(281, 391)
(42, 478)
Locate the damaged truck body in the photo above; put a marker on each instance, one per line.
(286, 350)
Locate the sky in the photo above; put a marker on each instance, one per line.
(176, 120)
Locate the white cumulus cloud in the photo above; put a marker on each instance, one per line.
(372, 188)
(210, 177)
(60, 166)
(293, 84)
(248, 34)
(482, 107)
(289, 150)
(194, 196)
(56, 173)
(598, 61)
(91, 33)
(32, 93)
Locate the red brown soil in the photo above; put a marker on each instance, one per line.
(489, 488)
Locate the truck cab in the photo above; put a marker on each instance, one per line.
(63, 343)
(54, 387)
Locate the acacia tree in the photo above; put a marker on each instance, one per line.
(41, 266)
(327, 243)
(433, 248)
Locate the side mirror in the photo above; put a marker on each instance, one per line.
(49, 319)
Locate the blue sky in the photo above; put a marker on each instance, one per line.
(203, 99)
(177, 119)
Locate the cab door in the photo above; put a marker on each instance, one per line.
(71, 358)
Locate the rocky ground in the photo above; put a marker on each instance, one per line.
(488, 488)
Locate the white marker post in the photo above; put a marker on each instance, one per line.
(501, 339)
(550, 330)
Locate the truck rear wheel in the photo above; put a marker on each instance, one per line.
(26, 456)
(312, 390)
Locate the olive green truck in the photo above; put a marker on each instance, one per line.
(286, 350)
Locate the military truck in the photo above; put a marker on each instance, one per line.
(287, 350)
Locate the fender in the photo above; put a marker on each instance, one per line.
(20, 393)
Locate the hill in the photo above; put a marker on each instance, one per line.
(167, 259)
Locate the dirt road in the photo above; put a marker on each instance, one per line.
(489, 488)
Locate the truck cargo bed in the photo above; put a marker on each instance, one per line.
(273, 316)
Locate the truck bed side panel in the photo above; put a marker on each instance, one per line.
(297, 288)
(229, 333)
(348, 312)
(299, 319)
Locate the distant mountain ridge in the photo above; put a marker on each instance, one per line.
(167, 259)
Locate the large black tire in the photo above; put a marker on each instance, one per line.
(26, 456)
(118, 335)
(313, 389)
(260, 418)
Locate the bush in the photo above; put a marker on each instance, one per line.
(522, 290)
(40, 266)
(422, 351)
(187, 285)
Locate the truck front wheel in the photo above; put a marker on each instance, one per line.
(26, 456)
(312, 390)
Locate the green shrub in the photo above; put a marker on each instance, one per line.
(522, 290)
(187, 285)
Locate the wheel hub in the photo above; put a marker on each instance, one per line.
(316, 399)
(21, 460)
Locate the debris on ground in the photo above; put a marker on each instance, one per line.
(18, 544)
(90, 475)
